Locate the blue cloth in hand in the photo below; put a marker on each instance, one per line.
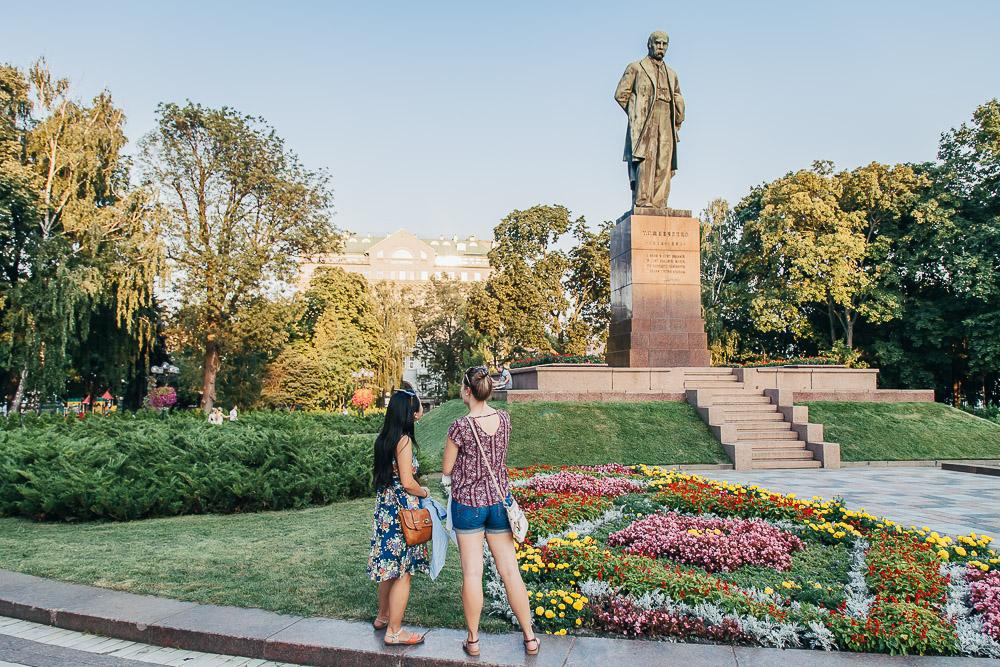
(439, 535)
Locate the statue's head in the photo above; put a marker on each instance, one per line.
(657, 44)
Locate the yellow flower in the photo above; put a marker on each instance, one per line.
(562, 607)
(549, 613)
(768, 591)
(579, 621)
(942, 554)
(539, 610)
(571, 535)
(960, 551)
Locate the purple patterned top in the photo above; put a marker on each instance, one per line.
(470, 480)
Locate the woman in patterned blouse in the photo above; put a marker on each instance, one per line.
(477, 509)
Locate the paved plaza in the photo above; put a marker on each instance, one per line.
(945, 501)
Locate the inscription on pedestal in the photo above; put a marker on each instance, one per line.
(656, 293)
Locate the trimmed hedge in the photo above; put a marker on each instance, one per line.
(132, 467)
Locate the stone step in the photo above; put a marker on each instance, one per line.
(763, 425)
(769, 444)
(740, 399)
(772, 434)
(709, 371)
(712, 384)
(784, 453)
(748, 408)
(754, 416)
(780, 464)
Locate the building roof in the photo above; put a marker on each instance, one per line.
(451, 245)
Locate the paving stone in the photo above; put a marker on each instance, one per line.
(588, 651)
(216, 629)
(772, 657)
(444, 647)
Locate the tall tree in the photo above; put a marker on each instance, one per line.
(825, 239)
(239, 211)
(445, 342)
(519, 307)
(398, 331)
(79, 241)
(339, 331)
(588, 288)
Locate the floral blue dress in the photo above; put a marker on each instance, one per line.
(390, 556)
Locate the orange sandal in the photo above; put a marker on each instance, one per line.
(534, 651)
(392, 639)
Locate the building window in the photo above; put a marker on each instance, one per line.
(380, 274)
(423, 275)
(392, 275)
(465, 276)
(479, 276)
(461, 246)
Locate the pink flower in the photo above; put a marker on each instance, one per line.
(714, 544)
(571, 482)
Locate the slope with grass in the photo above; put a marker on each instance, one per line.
(905, 431)
(588, 433)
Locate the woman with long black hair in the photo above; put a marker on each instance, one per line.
(392, 562)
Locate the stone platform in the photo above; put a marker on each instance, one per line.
(602, 383)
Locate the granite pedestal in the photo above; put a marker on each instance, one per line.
(656, 316)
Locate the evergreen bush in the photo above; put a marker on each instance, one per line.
(136, 466)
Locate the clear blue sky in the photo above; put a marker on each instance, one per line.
(442, 117)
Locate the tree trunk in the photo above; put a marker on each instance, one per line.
(210, 368)
(19, 393)
(956, 392)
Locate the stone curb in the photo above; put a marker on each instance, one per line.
(255, 633)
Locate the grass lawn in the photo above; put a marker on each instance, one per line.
(309, 562)
(660, 432)
(905, 431)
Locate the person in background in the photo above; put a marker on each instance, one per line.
(215, 416)
(391, 561)
(478, 510)
(506, 381)
(234, 414)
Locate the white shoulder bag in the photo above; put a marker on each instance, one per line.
(515, 515)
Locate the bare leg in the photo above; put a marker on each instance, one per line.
(399, 596)
(470, 548)
(383, 599)
(502, 548)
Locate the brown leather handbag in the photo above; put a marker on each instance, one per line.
(417, 526)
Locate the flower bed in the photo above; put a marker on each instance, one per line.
(642, 551)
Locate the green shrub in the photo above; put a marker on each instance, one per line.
(135, 466)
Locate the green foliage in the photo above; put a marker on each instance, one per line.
(79, 250)
(238, 211)
(558, 359)
(131, 467)
(343, 325)
(445, 342)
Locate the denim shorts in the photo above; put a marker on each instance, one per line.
(468, 519)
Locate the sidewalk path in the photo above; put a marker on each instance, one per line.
(956, 503)
(265, 635)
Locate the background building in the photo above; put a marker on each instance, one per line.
(403, 258)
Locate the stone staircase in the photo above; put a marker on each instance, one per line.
(759, 428)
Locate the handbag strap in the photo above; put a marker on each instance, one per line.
(493, 478)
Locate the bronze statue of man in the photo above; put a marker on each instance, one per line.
(651, 96)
